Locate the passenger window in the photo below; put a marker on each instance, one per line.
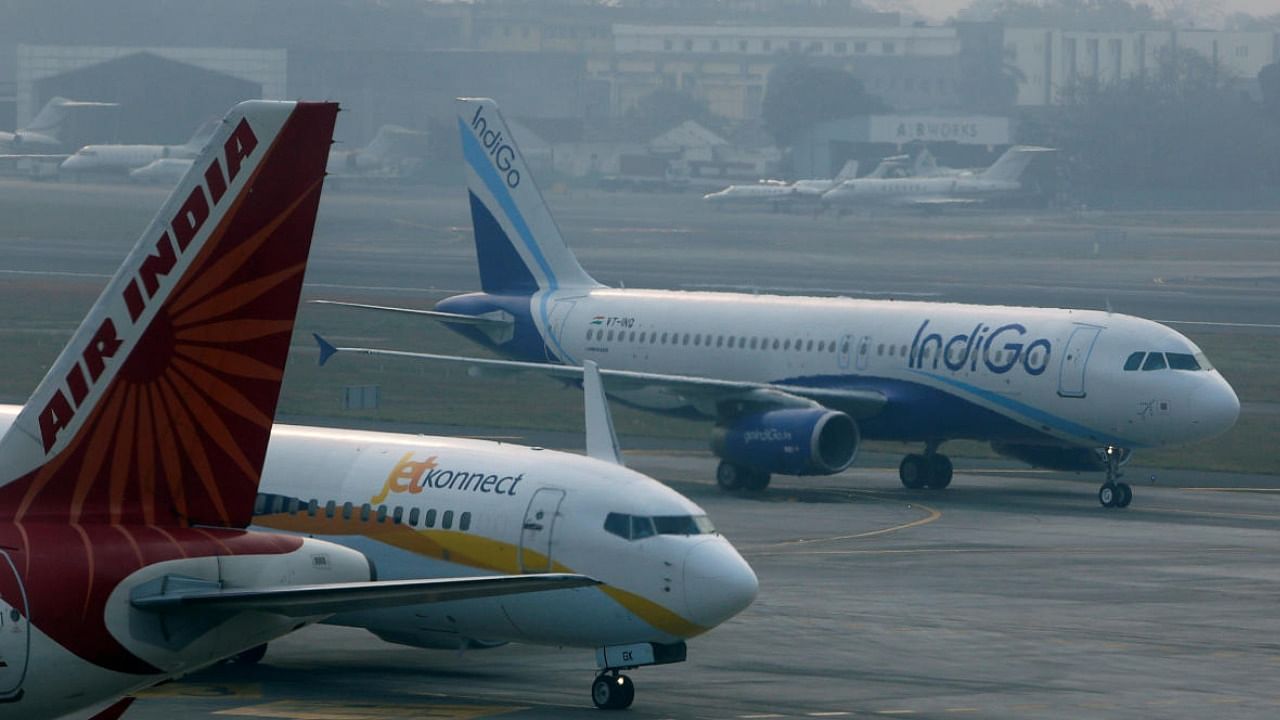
(260, 504)
(632, 336)
(697, 340)
(753, 343)
(880, 349)
(413, 517)
(719, 341)
(685, 341)
(664, 338)
(330, 509)
(365, 511)
(397, 517)
(312, 507)
(346, 510)
(431, 518)
(903, 351)
(844, 348)
(809, 347)
(799, 343)
(447, 521)
(1155, 361)
(293, 505)
(1135, 361)
(642, 338)
(892, 349)
(786, 345)
(464, 521)
(590, 333)
(641, 527)
(1181, 361)
(610, 336)
(382, 513)
(775, 343)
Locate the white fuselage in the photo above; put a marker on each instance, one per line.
(1058, 374)
(910, 190)
(123, 158)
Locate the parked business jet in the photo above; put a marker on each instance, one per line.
(1002, 178)
(127, 480)
(778, 195)
(392, 152)
(41, 134)
(422, 506)
(795, 383)
(124, 158)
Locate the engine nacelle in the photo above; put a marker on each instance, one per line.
(1052, 457)
(801, 441)
(434, 639)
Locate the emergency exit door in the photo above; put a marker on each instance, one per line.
(535, 535)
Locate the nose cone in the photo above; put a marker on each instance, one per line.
(718, 583)
(1215, 408)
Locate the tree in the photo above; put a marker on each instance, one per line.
(800, 95)
(663, 109)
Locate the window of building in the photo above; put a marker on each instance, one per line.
(887, 47)
(1242, 51)
(715, 46)
(794, 46)
(742, 46)
(842, 48)
(688, 46)
(766, 45)
(666, 44)
(860, 46)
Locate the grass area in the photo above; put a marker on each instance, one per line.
(37, 316)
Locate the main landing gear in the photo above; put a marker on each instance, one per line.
(931, 470)
(612, 691)
(736, 478)
(1114, 494)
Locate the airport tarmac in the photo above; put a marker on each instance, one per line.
(1010, 595)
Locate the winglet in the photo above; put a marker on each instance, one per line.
(602, 441)
(327, 350)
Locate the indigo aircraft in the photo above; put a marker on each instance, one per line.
(128, 479)
(794, 384)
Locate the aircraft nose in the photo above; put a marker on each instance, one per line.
(718, 583)
(1215, 407)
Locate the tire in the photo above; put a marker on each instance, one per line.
(913, 472)
(940, 472)
(628, 694)
(612, 693)
(1126, 495)
(756, 481)
(729, 477)
(1108, 494)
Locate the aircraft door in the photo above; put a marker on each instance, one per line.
(559, 313)
(843, 358)
(1074, 359)
(15, 640)
(864, 352)
(535, 535)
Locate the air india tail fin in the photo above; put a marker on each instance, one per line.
(518, 245)
(160, 407)
(1009, 166)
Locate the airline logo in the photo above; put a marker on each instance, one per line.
(142, 289)
(597, 320)
(413, 476)
(500, 150)
(1009, 343)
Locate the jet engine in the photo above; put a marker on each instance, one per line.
(799, 441)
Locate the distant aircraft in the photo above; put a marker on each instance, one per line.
(777, 195)
(390, 154)
(1002, 178)
(441, 507)
(795, 383)
(41, 134)
(127, 480)
(124, 158)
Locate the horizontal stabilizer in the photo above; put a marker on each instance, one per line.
(496, 320)
(312, 600)
(857, 403)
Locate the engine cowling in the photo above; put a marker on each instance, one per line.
(1052, 457)
(799, 441)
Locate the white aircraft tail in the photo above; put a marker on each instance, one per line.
(518, 245)
(391, 140)
(50, 118)
(1009, 166)
(848, 172)
(160, 407)
(203, 134)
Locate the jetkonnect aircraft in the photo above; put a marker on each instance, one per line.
(794, 383)
(1002, 178)
(421, 506)
(129, 477)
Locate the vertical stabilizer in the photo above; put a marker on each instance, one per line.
(160, 407)
(602, 441)
(848, 172)
(518, 245)
(49, 120)
(1009, 166)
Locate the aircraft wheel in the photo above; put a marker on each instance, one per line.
(756, 481)
(730, 477)
(252, 656)
(1108, 495)
(612, 692)
(1126, 495)
(913, 472)
(940, 471)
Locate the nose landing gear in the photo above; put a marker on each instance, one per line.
(1114, 494)
(612, 692)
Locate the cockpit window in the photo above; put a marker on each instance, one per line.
(1182, 361)
(1135, 361)
(1203, 360)
(638, 527)
(1155, 361)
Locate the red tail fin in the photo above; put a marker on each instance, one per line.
(160, 408)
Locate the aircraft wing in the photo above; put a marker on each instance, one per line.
(31, 156)
(184, 594)
(940, 201)
(705, 393)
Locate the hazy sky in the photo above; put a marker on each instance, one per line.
(942, 9)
